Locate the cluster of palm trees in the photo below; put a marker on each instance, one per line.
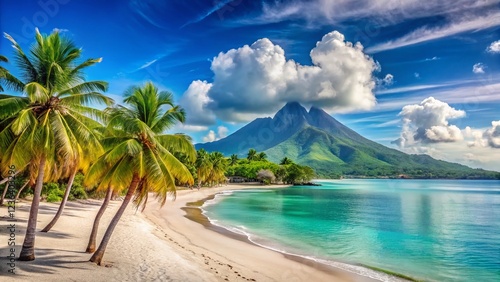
(210, 168)
(54, 130)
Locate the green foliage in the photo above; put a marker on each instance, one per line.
(296, 174)
(52, 192)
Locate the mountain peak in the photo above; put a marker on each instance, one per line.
(292, 110)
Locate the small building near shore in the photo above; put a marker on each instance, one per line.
(237, 179)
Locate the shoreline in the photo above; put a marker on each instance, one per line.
(160, 244)
(234, 258)
(194, 211)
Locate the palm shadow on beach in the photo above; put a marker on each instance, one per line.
(48, 261)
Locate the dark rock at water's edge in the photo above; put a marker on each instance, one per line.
(307, 184)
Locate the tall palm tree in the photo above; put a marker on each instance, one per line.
(286, 161)
(81, 160)
(203, 166)
(219, 164)
(93, 234)
(3, 71)
(252, 155)
(46, 125)
(140, 154)
(261, 156)
(233, 159)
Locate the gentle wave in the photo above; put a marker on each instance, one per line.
(242, 230)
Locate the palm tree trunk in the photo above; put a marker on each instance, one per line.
(4, 193)
(28, 250)
(7, 178)
(63, 202)
(97, 257)
(21, 190)
(93, 234)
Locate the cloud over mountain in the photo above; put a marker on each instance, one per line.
(428, 122)
(258, 79)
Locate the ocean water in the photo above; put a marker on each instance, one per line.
(432, 230)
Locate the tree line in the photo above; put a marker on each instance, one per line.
(59, 141)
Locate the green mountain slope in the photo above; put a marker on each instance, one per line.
(318, 140)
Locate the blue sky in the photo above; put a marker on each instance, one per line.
(228, 62)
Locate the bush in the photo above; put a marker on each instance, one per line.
(77, 192)
(52, 198)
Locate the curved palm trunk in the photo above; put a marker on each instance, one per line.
(97, 257)
(63, 202)
(21, 189)
(7, 178)
(4, 193)
(93, 234)
(28, 250)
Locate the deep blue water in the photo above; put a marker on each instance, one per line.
(436, 230)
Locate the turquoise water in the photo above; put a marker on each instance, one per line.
(434, 230)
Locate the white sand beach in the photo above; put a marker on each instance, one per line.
(160, 244)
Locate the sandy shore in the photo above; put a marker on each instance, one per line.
(157, 245)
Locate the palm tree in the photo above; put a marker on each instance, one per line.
(46, 126)
(219, 164)
(203, 166)
(93, 234)
(140, 154)
(261, 156)
(286, 161)
(252, 155)
(80, 161)
(3, 71)
(233, 160)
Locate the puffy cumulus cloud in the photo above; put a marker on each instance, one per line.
(494, 47)
(493, 134)
(484, 138)
(478, 68)
(194, 101)
(428, 122)
(258, 79)
(212, 136)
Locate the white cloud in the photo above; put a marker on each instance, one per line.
(423, 34)
(489, 137)
(494, 47)
(212, 136)
(384, 12)
(478, 68)
(492, 135)
(428, 122)
(194, 101)
(388, 80)
(258, 79)
(469, 93)
(416, 75)
(147, 64)
(432, 59)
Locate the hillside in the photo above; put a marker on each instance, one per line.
(318, 140)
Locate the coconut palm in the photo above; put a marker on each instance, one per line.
(3, 71)
(286, 161)
(261, 156)
(97, 219)
(46, 125)
(80, 161)
(139, 153)
(252, 155)
(233, 160)
(219, 164)
(203, 166)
